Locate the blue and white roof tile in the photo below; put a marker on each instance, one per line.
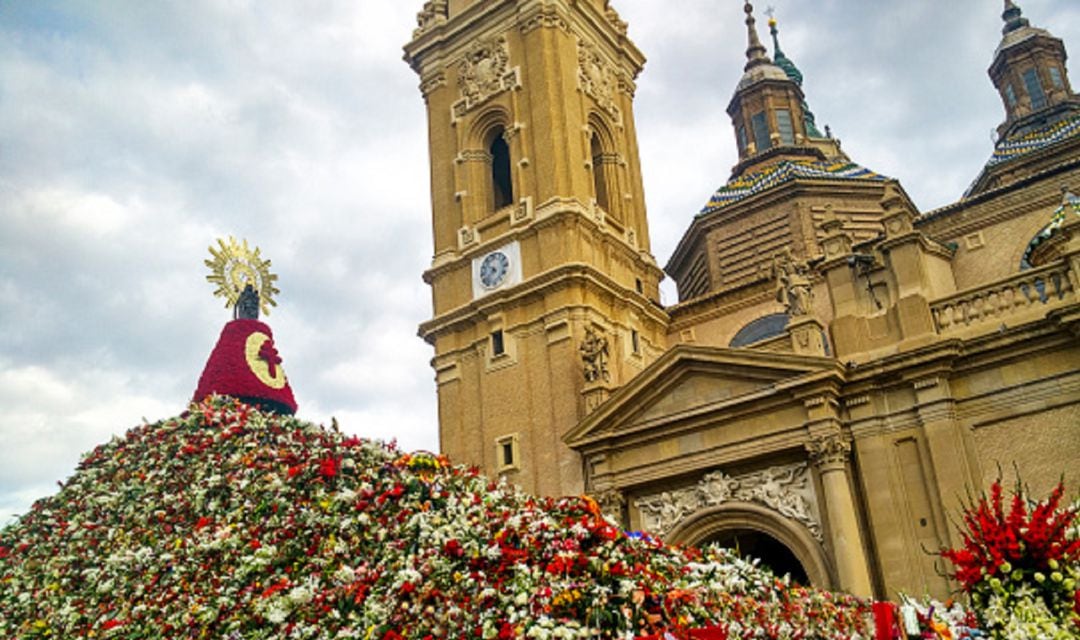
(785, 171)
(1016, 146)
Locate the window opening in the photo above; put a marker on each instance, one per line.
(784, 124)
(507, 454)
(498, 347)
(638, 286)
(1055, 77)
(635, 341)
(741, 134)
(599, 172)
(761, 131)
(1034, 89)
(761, 329)
(500, 171)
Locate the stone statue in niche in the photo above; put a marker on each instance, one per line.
(793, 287)
(594, 356)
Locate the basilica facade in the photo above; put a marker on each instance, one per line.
(840, 369)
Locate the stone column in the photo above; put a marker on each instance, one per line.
(830, 454)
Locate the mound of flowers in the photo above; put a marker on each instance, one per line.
(1021, 565)
(227, 522)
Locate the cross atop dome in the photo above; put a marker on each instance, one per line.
(755, 51)
(769, 112)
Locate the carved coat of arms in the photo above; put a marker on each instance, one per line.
(481, 71)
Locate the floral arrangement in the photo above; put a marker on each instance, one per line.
(245, 364)
(228, 522)
(1021, 565)
(931, 619)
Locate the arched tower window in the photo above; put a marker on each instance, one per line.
(500, 170)
(599, 173)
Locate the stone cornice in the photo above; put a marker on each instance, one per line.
(943, 216)
(718, 303)
(929, 245)
(786, 443)
(792, 376)
(446, 40)
(579, 274)
(551, 212)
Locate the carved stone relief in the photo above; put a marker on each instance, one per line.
(594, 357)
(793, 288)
(548, 17)
(829, 450)
(483, 72)
(611, 502)
(784, 489)
(596, 77)
(434, 13)
(613, 17)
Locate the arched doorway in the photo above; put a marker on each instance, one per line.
(786, 544)
(771, 553)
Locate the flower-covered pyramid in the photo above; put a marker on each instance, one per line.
(228, 522)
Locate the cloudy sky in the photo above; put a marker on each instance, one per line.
(132, 134)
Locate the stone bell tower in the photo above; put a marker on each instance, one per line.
(544, 290)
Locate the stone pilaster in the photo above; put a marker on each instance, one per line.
(949, 446)
(830, 454)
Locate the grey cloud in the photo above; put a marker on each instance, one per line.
(133, 134)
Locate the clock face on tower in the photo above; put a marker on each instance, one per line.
(493, 269)
(497, 269)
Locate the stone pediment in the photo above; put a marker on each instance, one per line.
(692, 379)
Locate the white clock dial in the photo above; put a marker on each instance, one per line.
(493, 269)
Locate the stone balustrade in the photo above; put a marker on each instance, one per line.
(1046, 286)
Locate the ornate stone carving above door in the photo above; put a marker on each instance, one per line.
(785, 489)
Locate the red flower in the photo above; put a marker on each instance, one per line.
(453, 548)
(328, 467)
